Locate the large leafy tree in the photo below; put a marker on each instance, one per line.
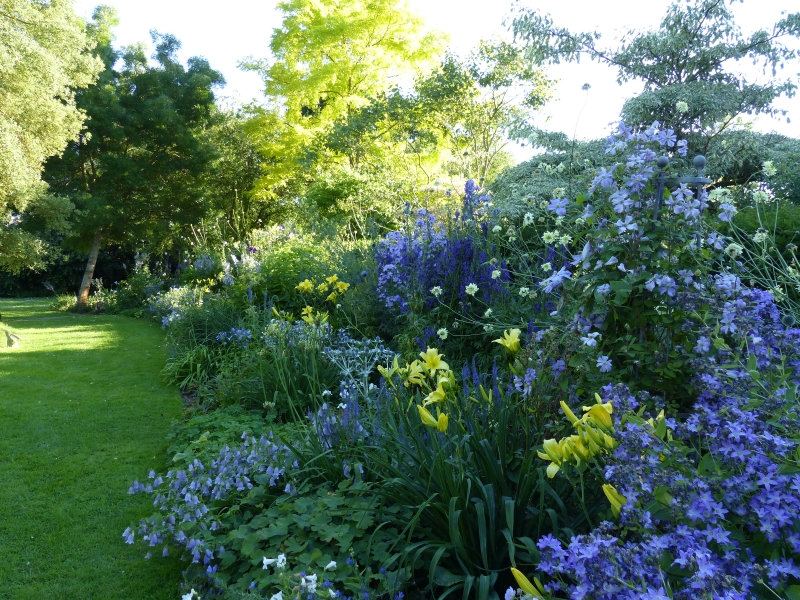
(135, 170)
(44, 57)
(457, 119)
(684, 66)
(330, 58)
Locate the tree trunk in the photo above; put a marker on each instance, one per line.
(83, 294)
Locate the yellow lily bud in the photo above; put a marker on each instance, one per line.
(441, 424)
(426, 417)
(616, 499)
(570, 415)
(578, 449)
(331, 297)
(524, 584)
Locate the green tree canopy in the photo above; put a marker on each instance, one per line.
(330, 58)
(135, 170)
(686, 60)
(45, 55)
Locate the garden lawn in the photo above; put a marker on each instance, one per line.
(83, 412)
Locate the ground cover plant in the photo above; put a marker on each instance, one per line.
(83, 410)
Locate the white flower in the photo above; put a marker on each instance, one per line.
(471, 289)
(342, 406)
(309, 582)
(769, 168)
(565, 239)
(559, 221)
(523, 291)
(268, 562)
(442, 333)
(326, 393)
(333, 593)
(488, 313)
(681, 106)
(734, 250)
(544, 204)
(527, 219)
(496, 274)
(591, 339)
(761, 236)
(436, 291)
(278, 596)
(550, 236)
(330, 565)
(497, 229)
(487, 327)
(281, 561)
(559, 193)
(580, 221)
(761, 197)
(189, 596)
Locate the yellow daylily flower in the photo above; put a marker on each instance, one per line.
(435, 396)
(413, 373)
(600, 415)
(551, 451)
(332, 279)
(524, 584)
(510, 340)
(331, 297)
(441, 424)
(307, 310)
(322, 288)
(616, 499)
(433, 360)
(342, 287)
(305, 286)
(427, 418)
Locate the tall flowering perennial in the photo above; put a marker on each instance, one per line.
(707, 506)
(432, 260)
(430, 374)
(640, 257)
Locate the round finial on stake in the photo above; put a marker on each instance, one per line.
(699, 161)
(662, 162)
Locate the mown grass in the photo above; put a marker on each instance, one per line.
(83, 412)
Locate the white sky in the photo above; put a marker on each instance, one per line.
(226, 32)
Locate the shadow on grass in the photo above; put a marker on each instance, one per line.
(83, 412)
